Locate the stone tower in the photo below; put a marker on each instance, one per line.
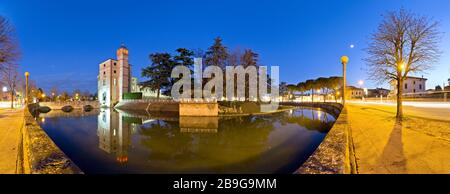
(124, 71)
(114, 78)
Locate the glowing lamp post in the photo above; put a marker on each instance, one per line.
(27, 75)
(360, 83)
(344, 61)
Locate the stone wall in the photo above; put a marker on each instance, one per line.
(74, 105)
(39, 154)
(150, 106)
(203, 109)
(183, 108)
(335, 154)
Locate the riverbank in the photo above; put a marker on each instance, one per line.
(335, 154)
(11, 122)
(38, 153)
(418, 144)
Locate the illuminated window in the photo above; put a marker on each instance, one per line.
(114, 81)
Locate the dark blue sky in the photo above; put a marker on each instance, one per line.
(63, 42)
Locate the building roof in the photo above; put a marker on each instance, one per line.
(379, 89)
(409, 77)
(109, 59)
(412, 77)
(353, 88)
(123, 46)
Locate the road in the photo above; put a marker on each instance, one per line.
(430, 110)
(418, 144)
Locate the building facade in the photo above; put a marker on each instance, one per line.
(146, 91)
(134, 85)
(377, 92)
(411, 85)
(114, 78)
(353, 92)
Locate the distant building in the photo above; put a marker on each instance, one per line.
(114, 78)
(134, 85)
(447, 88)
(146, 92)
(354, 92)
(411, 85)
(377, 92)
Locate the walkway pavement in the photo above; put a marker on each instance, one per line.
(10, 123)
(418, 144)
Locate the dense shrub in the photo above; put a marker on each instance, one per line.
(132, 96)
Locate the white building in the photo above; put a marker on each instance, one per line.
(135, 85)
(114, 78)
(411, 85)
(146, 92)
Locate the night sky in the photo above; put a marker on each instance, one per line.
(62, 42)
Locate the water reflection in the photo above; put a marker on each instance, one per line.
(199, 124)
(137, 142)
(114, 134)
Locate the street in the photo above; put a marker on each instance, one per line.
(418, 144)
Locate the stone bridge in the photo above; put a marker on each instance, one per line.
(74, 104)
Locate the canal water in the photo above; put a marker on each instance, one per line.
(107, 141)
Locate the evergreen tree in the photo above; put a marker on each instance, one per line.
(158, 72)
(217, 54)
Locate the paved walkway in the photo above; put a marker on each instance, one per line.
(10, 123)
(418, 144)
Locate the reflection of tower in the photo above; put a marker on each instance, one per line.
(114, 135)
(114, 78)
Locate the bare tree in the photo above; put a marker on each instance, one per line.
(8, 46)
(10, 77)
(404, 43)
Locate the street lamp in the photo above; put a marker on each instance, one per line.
(344, 61)
(5, 89)
(401, 66)
(360, 83)
(27, 75)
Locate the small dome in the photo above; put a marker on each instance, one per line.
(123, 46)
